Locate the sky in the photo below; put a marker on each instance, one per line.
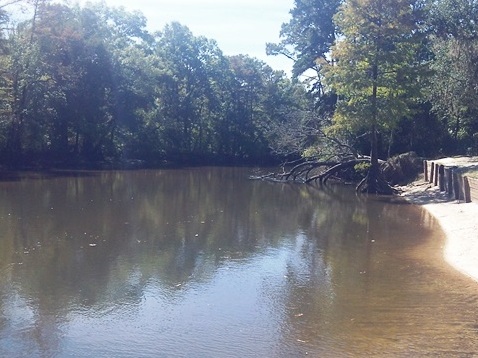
(238, 26)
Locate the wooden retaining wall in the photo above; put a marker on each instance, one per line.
(473, 187)
(451, 181)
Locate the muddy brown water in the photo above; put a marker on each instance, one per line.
(206, 263)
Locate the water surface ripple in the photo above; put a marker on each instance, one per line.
(205, 263)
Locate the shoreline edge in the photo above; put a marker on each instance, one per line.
(457, 219)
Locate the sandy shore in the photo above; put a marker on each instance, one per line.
(458, 220)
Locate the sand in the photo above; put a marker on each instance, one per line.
(458, 220)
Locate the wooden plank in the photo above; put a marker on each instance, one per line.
(441, 177)
(473, 183)
(432, 172)
(425, 170)
(466, 189)
(449, 181)
(457, 185)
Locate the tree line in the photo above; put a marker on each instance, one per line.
(90, 84)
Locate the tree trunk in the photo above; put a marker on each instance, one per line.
(374, 171)
(373, 174)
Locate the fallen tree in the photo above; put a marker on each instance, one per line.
(396, 170)
(329, 155)
(309, 171)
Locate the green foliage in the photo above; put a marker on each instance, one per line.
(307, 38)
(90, 84)
(362, 168)
(453, 87)
(376, 69)
(311, 152)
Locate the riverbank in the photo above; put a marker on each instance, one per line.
(458, 220)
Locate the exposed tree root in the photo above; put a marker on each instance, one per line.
(380, 187)
(321, 171)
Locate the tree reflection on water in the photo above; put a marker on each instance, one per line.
(204, 261)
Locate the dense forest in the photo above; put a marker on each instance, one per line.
(90, 85)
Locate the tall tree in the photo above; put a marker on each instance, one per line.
(375, 69)
(25, 83)
(307, 38)
(184, 87)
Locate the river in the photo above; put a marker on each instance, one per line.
(203, 262)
